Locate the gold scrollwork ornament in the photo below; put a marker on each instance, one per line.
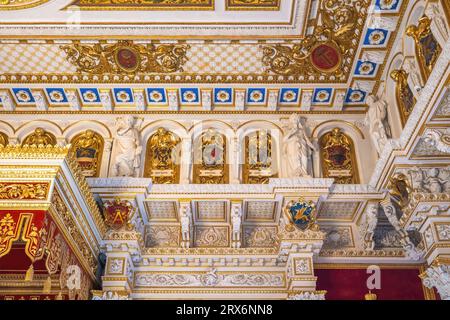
(321, 52)
(126, 57)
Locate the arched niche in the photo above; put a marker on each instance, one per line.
(29, 128)
(87, 148)
(260, 157)
(40, 137)
(338, 157)
(244, 133)
(163, 157)
(211, 165)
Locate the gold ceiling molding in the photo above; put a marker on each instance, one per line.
(329, 50)
(20, 4)
(33, 152)
(143, 4)
(126, 57)
(253, 4)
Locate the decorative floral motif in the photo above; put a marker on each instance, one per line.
(123, 95)
(355, 96)
(23, 95)
(223, 95)
(189, 96)
(56, 95)
(376, 37)
(90, 95)
(322, 96)
(289, 95)
(365, 68)
(156, 95)
(256, 95)
(387, 4)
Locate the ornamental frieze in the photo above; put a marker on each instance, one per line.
(211, 278)
(24, 191)
(144, 4)
(126, 57)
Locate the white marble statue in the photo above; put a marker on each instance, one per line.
(185, 219)
(371, 223)
(236, 220)
(438, 25)
(414, 79)
(128, 147)
(377, 120)
(297, 150)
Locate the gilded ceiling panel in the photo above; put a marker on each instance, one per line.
(20, 4)
(144, 4)
(253, 4)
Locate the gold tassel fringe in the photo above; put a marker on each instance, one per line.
(47, 285)
(29, 274)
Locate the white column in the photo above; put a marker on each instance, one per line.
(106, 158)
(186, 161)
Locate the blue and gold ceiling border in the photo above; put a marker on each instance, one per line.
(253, 4)
(143, 4)
(20, 4)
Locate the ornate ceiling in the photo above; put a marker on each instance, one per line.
(310, 54)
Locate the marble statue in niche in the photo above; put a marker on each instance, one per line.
(297, 149)
(128, 147)
(414, 80)
(377, 120)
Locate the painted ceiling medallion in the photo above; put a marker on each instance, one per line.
(20, 4)
(325, 57)
(126, 57)
(144, 4)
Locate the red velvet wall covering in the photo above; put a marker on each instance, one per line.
(350, 284)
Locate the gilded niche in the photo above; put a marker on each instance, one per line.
(338, 157)
(126, 57)
(87, 149)
(40, 137)
(162, 158)
(324, 50)
(3, 139)
(427, 47)
(258, 157)
(143, 4)
(404, 95)
(210, 158)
